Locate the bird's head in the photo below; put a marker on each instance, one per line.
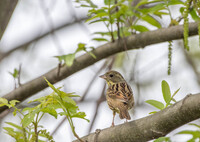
(112, 77)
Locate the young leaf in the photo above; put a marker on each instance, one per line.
(15, 74)
(156, 104)
(100, 39)
(81, 47)
(69, 59)
(175, 92)
(193, 124)
(149, 19)
(109, 2)
(162, 139)
(194, 15)
(166, 91)
(52, 87)
(13, 102)
(152, 112)
(50, 111)
(14, 125)
(28, 118)
(140, 28)
(3, 102)
(195, 134)
(91, 54)
(175, 2)
(81, 115)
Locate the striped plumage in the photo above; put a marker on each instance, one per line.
(119, 95)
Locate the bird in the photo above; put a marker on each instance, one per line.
(119, 95)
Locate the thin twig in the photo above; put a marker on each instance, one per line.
(19, 75)
(118, 19)
(51, 25)
(102, 97)
(91, 82)
(99, 101)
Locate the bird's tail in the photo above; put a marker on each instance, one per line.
(124, 114)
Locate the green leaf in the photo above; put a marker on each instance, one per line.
(194, 15)
(102, 33)
(63, 113)
(166, 91)
(81, 115)
(13, 102)
(28, 118)
(175, 2)
(181, 10)
(151, 21)
(69, 59)
(141, 2)
(109, 2)
(15, 74)
(162, 139)
(17, 135)
(14, 125)
(52, 87)
(28, 109)
(160, 14)
(100, 39)
(193, 124)
(153, 112)
(97, 16)
(175, 92)
(156, 104)
(91, 54)
(3, 102)
(50, 111)
(140, 28)
(195, 134)
(81, 47)
(156, 8)
(69, 100)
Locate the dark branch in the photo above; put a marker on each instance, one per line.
(6, 9)
(104, 51)
(153, 126)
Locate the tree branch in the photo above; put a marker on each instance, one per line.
(153, 126)
(101, 52)
(6, 9)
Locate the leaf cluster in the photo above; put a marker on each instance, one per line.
(194, 133)
(58, 103)
(69, 58)
(122, 17)
(168, 98)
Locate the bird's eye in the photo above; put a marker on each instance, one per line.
(111, 75)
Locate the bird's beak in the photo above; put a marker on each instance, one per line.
(103, 76)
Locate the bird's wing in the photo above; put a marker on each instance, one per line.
(121, 91)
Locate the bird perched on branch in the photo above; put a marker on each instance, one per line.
(119, 95)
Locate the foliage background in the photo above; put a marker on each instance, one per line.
(144, 69)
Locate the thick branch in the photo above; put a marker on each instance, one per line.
(153, 126)
(6, 9)
(104, 51)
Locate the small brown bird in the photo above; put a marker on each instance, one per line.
(119, 95)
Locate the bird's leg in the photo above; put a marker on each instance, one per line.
(113, 119)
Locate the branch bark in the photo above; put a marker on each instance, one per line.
(153, 126)
(6, 9)
(101, 52)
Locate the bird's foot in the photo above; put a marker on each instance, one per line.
(112, 125)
